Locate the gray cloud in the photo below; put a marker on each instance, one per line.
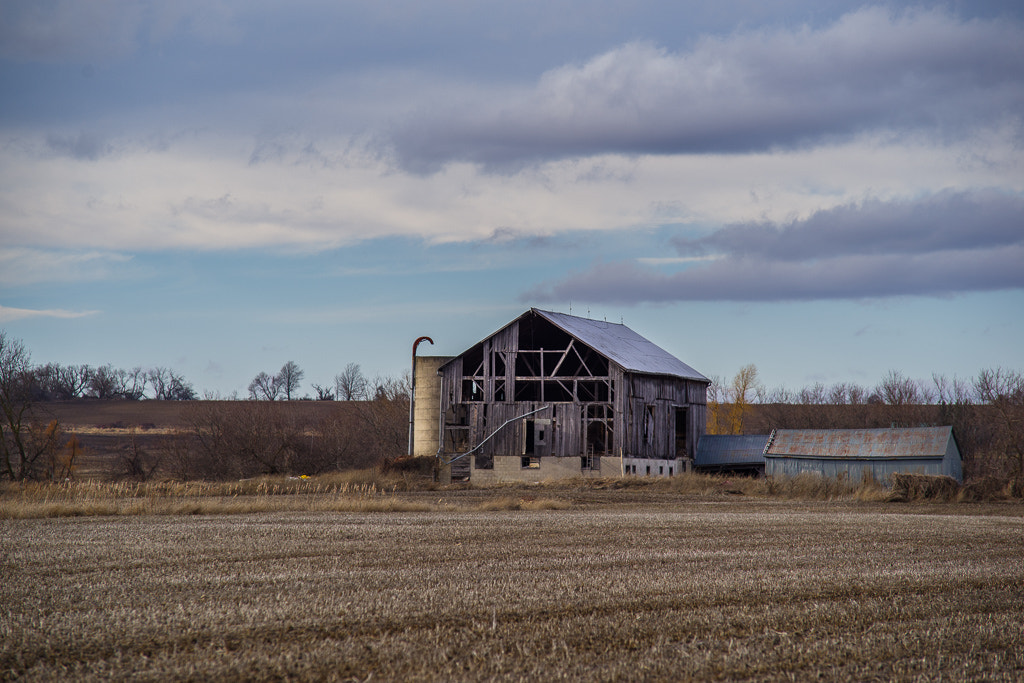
(869, 71)
(949, 220)
(84, 146)
(937, 246)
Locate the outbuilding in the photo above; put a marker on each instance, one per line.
(552, 395)
(854, 453)
(733, 453)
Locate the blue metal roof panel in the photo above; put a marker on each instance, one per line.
(913, 442)
(723, 450)
(623, 346)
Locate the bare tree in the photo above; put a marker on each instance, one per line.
(131, 384)
(25, 438)
(289, 377)
(159, 380)
(264, 387)
(103, 382)
(350, 384)
(323, 393)
(178, 388)
(1003, 390)
(898, 390)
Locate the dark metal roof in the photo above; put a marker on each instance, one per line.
(724, 450)
(622, 345)
(913, 442)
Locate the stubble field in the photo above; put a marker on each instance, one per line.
(701, 591)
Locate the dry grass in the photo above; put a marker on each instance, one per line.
(370, 490)
(361, 491)
(728, 592)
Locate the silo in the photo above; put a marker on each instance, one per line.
(427, 409)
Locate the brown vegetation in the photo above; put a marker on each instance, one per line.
(407, 489)
(732, 591)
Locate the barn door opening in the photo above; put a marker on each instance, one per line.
(682, 420)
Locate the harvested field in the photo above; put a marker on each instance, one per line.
(705, 590)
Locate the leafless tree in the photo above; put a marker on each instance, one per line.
(264, 387)
(350, 384)
(1003, 390)
(26, 438)
(103, 382)
(323, 393)
(131, 384)
(289, 377)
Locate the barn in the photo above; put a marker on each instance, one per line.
(856, 452)
(733, 453)
(552, 395)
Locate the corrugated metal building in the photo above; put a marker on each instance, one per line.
(552, 395)
(853, 452)
(731, 453)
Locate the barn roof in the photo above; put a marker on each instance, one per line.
(912, 442)
(621, 345)
(730, 450)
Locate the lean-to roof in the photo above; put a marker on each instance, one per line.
(912, 442)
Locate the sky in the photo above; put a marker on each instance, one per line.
(829, 190)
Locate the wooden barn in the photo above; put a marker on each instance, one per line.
(552, 395)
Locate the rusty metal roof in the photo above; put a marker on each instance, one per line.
(911, 442)
(622, 345)
(724, 450)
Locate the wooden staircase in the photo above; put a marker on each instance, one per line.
(460, 469)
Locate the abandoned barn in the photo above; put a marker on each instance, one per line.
(552, 395)
(854, 453)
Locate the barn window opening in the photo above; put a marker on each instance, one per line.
(661, 469)
(472, 390)
(530, 463)
(498, 364)
(681, 423)
(527, 390)
(649, 424)
(648, 470)
(557, 392)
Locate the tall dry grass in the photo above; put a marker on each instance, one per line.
(354, 491)
(369, 490)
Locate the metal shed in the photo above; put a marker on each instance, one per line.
(854, 452)
(552, 395)
(731, 453)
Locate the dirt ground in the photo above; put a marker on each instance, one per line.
(699, 590)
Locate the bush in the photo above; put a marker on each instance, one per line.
(923, 487)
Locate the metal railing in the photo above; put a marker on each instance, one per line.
(503, 425)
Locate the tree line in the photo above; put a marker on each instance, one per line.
(220, 439)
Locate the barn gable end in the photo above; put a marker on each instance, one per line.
(552, 395)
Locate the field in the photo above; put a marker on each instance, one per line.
(623, 585)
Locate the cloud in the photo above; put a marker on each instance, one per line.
(67, 29)
(948, 220)
(84, 146)
(24, 266)
(922, 70)
(8, 314)
(940, 245)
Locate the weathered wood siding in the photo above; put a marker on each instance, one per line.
(478, 397)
